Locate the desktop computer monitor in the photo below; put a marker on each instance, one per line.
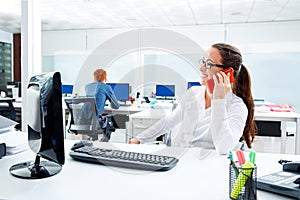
(67, 89)
(14, 87)
(19, 84)
(165, 90)
(45, 128)
(11, 84)
(121, 90)
(9, 88)
(191, 84)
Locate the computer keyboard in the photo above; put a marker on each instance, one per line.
(166, 99)
(125, 159)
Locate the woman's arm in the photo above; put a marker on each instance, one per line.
(228, 120)
(160, 128)
(188, 111)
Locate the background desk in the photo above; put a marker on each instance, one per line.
(132, 114)
(283, 117)
(142, 120)
(138, 122)
(198, 175)
(124, 110)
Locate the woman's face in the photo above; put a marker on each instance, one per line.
(213, 56)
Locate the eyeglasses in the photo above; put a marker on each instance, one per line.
(209, 64)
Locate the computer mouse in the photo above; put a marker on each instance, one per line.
(82, 143)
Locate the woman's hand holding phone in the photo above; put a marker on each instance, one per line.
(219, 85)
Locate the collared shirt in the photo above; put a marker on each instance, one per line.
(101, 92)
(219, 127)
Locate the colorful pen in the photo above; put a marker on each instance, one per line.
(241, 180)
(252, 156)
(230, 155)
(241, 157)
(233, 164)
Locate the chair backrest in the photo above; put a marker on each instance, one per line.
(84, 117)
(9, 111)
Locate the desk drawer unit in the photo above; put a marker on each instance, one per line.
(141, 124)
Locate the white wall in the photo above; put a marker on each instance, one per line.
(6, 37)
(125, 55)
(64, 51)
(271, 52)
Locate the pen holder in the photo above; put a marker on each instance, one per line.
(242, 181)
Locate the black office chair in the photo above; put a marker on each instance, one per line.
(84, 119)
(9, 111)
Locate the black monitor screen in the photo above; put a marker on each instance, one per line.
(191, 84)
(121, 90)
(20, 89)
(165, 90)
(45, 127)
(67, 89)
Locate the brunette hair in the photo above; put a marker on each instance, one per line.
(232, 57)
(100, 75)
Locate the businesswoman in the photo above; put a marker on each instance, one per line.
(216, 118)
(101, 91)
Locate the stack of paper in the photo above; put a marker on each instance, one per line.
(281, 108)
(15, 141)
(6, 124)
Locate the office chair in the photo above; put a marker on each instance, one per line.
(119, 121)
(8, 111)
(84, 119)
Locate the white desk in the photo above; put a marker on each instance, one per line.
(194, 177)
(142, 120)
(138, 122)
(128, 110)
(283, 117)
(124, 110)
(133, 113)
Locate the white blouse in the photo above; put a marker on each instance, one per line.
(219, 127)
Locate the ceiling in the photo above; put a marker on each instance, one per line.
(98, 14)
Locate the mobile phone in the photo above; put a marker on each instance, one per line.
(211, 84)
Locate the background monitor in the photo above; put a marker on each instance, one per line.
(11, 86)
(165, 90)
(191, 84)
(45, 128)
(121, 90)
(67, 89)
(19, 84)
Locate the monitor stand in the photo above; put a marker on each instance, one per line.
(35, 170)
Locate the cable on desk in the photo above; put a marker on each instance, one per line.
(281, 161)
